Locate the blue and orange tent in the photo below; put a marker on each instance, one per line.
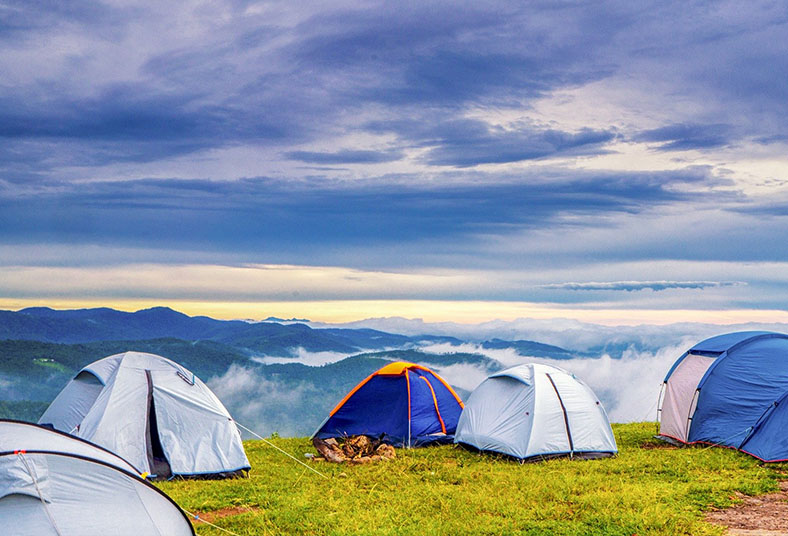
(403, 403)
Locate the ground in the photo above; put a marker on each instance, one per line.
(650, 488)
(763, 515)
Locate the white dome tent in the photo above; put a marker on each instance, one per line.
(29, 437)
(52, 485)
(536, 412)
(153, 413)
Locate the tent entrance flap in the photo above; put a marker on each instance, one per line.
(680, 396)
(157, 460)
(435, 403)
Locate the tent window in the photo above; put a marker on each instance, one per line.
(88, 377)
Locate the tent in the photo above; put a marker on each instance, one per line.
(534, 412)
(152, 412)
(52, 494)
(730, 390)
(404, 403)
(19, 435)
(52, 484)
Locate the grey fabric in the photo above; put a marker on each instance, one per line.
(197, 434)
(73, 402)
(25, 436)
(533, 410)
(83, 498)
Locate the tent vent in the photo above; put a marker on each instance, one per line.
(185, 378)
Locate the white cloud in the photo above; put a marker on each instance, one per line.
(260, 404)
(628, 386)
(305, 357)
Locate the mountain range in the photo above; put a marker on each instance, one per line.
(255, 367)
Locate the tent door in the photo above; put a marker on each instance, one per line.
(157, 460)
(435, 402)
(680, 399)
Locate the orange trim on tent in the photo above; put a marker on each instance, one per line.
(395, 369)
(435, 401)
(351, 393)
(447, 386)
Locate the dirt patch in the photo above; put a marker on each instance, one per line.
(213, 515)
(765, 515)
(660, 446)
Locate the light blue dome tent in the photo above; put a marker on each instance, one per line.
(154, 413)
(732, 391)
(52, 484)
(534, 412)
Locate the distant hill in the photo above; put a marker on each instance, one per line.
(42, 348)
(260, 338)
(290, 398)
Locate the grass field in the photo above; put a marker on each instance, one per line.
(647, 489)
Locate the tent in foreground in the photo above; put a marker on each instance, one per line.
(730, 390)
(536, 411)
(29, 437)
(153, 413)
(61, 494)
(406, 404)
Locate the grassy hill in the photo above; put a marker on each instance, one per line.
(649, 489)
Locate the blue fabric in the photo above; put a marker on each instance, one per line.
(768, 440)
(424, 419)
(721, 343)
(739, 389)
(715, 346)
(380, 408)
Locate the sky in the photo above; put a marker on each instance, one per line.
(613, 162)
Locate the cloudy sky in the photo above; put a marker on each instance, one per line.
(612, 162)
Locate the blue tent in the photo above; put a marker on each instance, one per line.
(405, 404)
(732, 391)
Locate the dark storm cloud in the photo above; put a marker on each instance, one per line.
(291, 82)
(631, 286)
(19, 17)
(469, 143)
(685, 137)
(437, 88)
(249, 82)
(345, 157)
(292, 219)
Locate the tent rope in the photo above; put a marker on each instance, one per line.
(258, 436)
(32, 474)
(198, 518)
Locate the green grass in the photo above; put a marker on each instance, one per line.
(50, 363)
(447, 490)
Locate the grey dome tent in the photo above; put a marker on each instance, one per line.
(19, 435)
(51, 486)
(153, 413)
(535, 411)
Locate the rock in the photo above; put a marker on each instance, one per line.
(385, 451)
